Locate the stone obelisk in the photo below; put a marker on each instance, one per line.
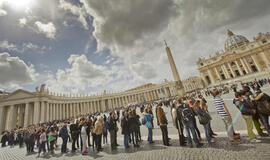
(178, 82)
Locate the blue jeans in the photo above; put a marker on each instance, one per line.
(265, 121)
(64, 144)
(126, 138)
(189, 127)
(207, 132)
(150, 135)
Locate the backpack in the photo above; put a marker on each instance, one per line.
(203, 116)
(186, 114)
(143, 121)
(107, 124)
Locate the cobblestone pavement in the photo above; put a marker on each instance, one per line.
(221, 150)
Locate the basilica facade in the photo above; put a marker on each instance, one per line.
(241, 60)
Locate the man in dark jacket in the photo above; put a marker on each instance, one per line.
(64, 135)
(112, 119)
(125, 128)
(88, 130)
(179, 124)
(74, 134)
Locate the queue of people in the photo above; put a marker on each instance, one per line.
(88, 131)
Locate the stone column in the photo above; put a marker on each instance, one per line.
(26, 115)
(57, 111)
(265, 56)
(43, 111)
(68, 110)
(2, 119)
(71, 110)
(60, 111)
(93, 106)
(87, 107)
(90, 107)
(244, 65)
(36, 112)
(231, 70)
(54, 111)
(78, 109)
(12, 119)
(51, 111)
(225, 71)
(217, 73)
(238, 67)
(256, 62)
(211, 76)
(113, 103)
(64, 111)
(47, 111)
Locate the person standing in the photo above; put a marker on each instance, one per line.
(64, 135)
(89, 124)
(263, 107)
(225, 115)
(98, 130)
(187, 115)
(177, 120)
(84, 138)
(204, 120)
(204, 106)
(149, 119)
(74, 133)
(247, 113)
(163, 122)
(42, 142)
(51, 138)
(112, 119)
(105, 131)
(125, 128)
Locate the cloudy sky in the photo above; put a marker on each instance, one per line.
(87, 46)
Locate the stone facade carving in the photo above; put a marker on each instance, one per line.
(241, 60)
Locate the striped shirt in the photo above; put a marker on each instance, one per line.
(219, 102)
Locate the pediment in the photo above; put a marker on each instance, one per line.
(19, 94)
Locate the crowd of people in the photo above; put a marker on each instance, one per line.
(91, 131)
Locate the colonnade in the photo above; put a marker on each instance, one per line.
(46, 108)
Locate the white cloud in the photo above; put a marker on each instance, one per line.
(81, 75)
(14, 72)
(22, 22)
(7, 45)
(76, 10)
(24, 47)
(2, 12)
(30, 45)
(48, 29)
(134, 31)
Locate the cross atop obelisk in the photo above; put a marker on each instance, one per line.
(178, 82)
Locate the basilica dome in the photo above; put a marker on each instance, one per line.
(234, 41)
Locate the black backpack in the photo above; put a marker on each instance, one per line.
(186, 114)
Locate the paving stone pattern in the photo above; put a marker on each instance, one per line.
(220, 150)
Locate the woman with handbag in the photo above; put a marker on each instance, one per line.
(204, 106)
(263, 107)
(148, 124)
(51, 138)
(247, 112)
(204, 119)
